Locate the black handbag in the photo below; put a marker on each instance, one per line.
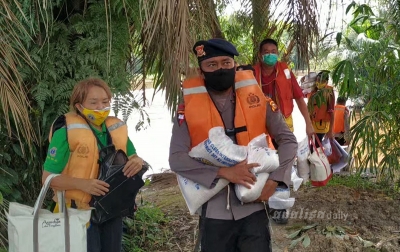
(119, 201)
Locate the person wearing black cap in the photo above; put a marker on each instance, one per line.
(222, 96)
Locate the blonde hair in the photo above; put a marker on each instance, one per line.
(81, 90)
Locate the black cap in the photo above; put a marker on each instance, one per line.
(205, 49)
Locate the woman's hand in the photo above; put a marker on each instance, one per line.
(93, 186)
(133, 166)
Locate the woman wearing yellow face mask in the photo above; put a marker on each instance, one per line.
(321, 105)
(74, 153)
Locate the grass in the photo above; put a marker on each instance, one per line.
(148, 231)
(358, 182)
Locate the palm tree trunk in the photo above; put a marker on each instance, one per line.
(260, 10)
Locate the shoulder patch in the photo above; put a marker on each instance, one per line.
(181, 114)
(53, 152)
(273, 105)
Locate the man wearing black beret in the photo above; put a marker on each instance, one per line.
(222, 96)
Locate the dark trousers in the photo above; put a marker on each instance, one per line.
(250, 234)
(106, 237)
(340, 141)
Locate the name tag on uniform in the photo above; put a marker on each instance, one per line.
(287, 73)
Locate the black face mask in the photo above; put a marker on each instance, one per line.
(220, 80)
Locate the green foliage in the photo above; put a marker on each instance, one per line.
(369, 71)
(232, 27)
(149, 230)
(66, 44)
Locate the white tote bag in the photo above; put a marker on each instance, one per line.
(39, 230)
(320, 169)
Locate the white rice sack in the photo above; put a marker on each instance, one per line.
(196, 195)
(219, 150)
(258, 152)
(267, 158)
(246, 195)
(295, 180)
(278, 203)
(303, 149)
(259, 141)
(308, 81)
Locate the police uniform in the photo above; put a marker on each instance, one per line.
(242, 227)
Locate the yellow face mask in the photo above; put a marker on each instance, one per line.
(97, 117)
(320, 85)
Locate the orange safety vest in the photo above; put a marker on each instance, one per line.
(283, 86)
(340, 112)
(320, 114)
(84, 157)
(202, 115)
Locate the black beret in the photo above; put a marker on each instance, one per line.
(205, 49)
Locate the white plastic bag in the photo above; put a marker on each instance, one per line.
(219, 150)
(32, 229)
(279, 203)
(303, 165)
(295, 180)
(195, 194)
(327, 146)
(344, 159)
(282, 193)
(246, 195)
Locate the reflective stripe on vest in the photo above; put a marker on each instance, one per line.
(77, 126)
(194, 90)
(245, 83)
(116, 126)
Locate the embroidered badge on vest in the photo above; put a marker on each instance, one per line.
(181, 114)
(253, 100)
(83, 151)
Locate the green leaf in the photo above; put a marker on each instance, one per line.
(294, 243)
(351, 5)
(338, 38)
(17, 149)
(367, 244)
(294, 234)
(306, 241)
(1, 199)
(309, 226)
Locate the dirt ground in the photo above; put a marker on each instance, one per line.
(359, 220)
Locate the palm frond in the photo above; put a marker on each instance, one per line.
(14, 102)
(170, 28)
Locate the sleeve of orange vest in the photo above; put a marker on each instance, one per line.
(287, 142)
(182, 164)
